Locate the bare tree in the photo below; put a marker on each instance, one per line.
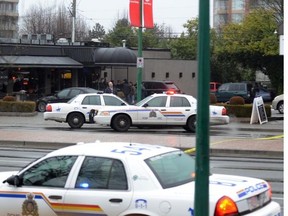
(53, 20)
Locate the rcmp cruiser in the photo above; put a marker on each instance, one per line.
(167, 109)
(125, 179)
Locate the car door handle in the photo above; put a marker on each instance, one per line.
(116, 200)
(84, 107)
(163, 109)
(187, 109)
(55, 197)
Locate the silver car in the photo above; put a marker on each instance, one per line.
(278, 103)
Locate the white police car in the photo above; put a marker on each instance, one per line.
(76, 111)
(167, 109)
(125, 179)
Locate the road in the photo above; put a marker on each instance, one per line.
(272, 171)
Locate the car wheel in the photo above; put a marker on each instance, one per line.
(75, 120)
(191, 124)
(280, 107)
(121, 123)
(41, 106)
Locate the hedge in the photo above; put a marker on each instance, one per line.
(243, 111)
(17, 106)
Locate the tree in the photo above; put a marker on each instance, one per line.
(122, 31)
(98, 31)
(52, 20)
(185, 47)
(254, 45)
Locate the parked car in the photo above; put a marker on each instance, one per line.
(76, 111)
(228, 90)
(126, 179)
(62, 96)
(167, 109)
(278, 103)
(266, 95)
(151, 87)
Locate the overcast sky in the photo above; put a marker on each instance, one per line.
(173, 13)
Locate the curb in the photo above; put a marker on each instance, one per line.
(21, 114)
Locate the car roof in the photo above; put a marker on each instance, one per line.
(113, 149)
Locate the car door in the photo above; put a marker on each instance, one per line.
(179, 110)
(151, 112)
(41, 188)
(100, 188)
(88, 103)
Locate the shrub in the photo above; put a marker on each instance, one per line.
(244, 111)
(9, 98)
(213, 98)
(237, 100)
(17, 106)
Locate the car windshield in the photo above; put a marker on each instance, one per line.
(72, 99)
(142, 102)
(172, 169)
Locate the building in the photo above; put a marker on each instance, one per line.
(47, 68)
(9, 18)
(227, 11)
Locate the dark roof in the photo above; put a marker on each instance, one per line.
(118, 56)
(31, 50)
(88, 56)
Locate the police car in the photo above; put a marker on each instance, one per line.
(167, 109)
(125, 179)
(76, 111)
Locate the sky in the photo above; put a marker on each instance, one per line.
(172, 13)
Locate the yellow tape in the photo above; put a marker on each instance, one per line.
(192, 150)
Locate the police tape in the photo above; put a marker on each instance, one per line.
(192, 150)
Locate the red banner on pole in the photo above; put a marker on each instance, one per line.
(134, 12)
(148, 14)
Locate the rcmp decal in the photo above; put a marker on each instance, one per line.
(29, 206)
(141, 203)
(251, 189)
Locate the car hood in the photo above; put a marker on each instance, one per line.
(47, 98)
(235, 187)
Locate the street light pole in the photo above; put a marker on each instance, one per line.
(203, 113)
(73, 20)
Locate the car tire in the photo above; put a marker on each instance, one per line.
(280, 107)
(75, 120)
(121, 123)
(41, 107)
(191, 124)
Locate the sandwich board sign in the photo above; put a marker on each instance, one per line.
(258, 111)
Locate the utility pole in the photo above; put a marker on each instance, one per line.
(73, 20)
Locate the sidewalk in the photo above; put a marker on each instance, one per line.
(268, 141)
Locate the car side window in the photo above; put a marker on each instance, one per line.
(179, 102)
(112, 101)
(51, 172)
(92, 100)
(102, 173)
(157, 102)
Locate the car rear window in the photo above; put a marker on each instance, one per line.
(172, 169)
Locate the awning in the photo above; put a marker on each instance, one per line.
(118, 56)
(39, 61)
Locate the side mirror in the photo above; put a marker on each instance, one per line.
(13, 180)
(145, 105)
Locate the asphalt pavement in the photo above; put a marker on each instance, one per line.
(270, 146)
